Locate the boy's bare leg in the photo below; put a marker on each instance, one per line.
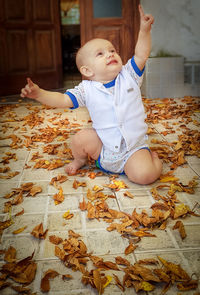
(143, 167)
(84, 143)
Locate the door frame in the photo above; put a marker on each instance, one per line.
(129, 25)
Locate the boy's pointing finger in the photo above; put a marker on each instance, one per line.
(141, 11)
(30, 82)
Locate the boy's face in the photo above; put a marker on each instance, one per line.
(102, 60)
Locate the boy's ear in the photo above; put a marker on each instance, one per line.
(86, 71)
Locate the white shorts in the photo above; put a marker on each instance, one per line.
(114, 162)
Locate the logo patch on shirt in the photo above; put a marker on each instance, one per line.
(130, 90)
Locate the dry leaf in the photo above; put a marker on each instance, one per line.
(67, 215)
(19, 230)
(118, 283)
(175, 269)
(130, 249)
(49, 274)
(181, 210)
(55, 240)
(189, 285)
(83, 205)
(59, 197)
(67, 277)
(77, 183)
(179, 225)
(167, 178)
(123, 261)
(128, 194)
(10, 254)
(38, 232)
(35, 190)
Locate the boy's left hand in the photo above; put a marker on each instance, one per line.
(146, 20)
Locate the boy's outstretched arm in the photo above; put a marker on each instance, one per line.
(143, 45)
(50, 98)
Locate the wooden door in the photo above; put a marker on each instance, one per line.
(121, 30)
(30, 44)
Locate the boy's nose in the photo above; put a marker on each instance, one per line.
(109, 53)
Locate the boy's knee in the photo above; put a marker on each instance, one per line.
(144, 176)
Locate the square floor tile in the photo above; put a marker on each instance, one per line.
(102, 242)
(56, 222)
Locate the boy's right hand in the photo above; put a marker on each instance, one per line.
(31, 90)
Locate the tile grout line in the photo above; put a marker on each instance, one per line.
(45, 222)
(173, 239)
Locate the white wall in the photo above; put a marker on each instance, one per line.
(176, 28)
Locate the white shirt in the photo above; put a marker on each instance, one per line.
(117, 112)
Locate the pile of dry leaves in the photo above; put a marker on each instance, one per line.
(145, 274)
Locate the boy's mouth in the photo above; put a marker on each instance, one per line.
(111, 62)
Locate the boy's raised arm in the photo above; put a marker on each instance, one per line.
(50, 98)
(143, 45)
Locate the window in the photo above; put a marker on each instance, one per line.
(107, 8)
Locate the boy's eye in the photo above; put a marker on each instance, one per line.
(99, 53)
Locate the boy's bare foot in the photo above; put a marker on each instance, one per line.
(72, 167)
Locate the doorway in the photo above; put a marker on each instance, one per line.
(70, 40)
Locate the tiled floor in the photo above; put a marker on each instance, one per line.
(41, 208)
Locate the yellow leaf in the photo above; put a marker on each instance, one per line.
(180, 210)
(67, 215)
(160, 105)
(109, 279)
(168, 179)
(120, 184)
(147, 286)
(97, 188)
(19, 230)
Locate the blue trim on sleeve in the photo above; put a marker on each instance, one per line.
(73, 99)
(110, 84)
(135, 67)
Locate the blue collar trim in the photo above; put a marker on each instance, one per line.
(110, 84)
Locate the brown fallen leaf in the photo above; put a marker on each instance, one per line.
(145, 286)
(35, 190)
(38, 232)
(118, 283)
(59, 197)
(60, 178)
(9, 175)
(21, 272)
(189, 285)
(20, 213)
(181, 210)
(130, 249)
(128, 194)
(67, 215)
(10, 254)
(175, 269)
(77, 183)
(55, 240)
(67, 277)
(123, 261)
(49, 274)
(83, 205)
(179, 225)
(97, 281)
